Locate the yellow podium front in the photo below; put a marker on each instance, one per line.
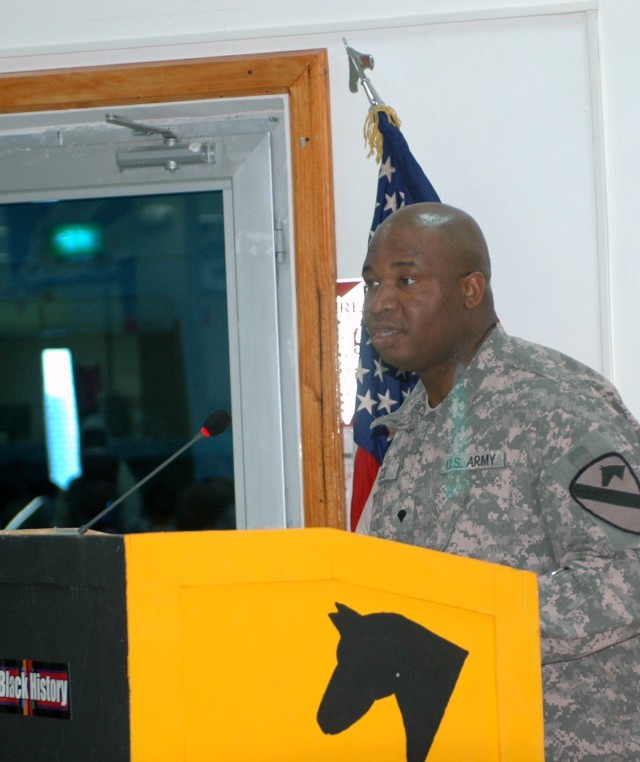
(318, 644)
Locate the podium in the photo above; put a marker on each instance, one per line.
(301, 644)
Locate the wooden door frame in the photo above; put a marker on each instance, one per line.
(303, 77)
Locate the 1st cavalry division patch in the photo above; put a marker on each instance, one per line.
(608, 488)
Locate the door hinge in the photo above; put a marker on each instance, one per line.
(279, 241)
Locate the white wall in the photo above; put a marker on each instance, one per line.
(500, 104)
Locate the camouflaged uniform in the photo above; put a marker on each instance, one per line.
(531, 462)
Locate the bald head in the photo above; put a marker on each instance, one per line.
(429, 303)
(466, 248)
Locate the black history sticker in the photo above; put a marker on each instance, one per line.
(35, 688)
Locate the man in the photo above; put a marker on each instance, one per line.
(516, 454)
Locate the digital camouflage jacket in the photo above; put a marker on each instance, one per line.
(532, 461)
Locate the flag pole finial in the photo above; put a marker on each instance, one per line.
(358, 62)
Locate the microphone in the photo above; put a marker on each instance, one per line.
(214, 424)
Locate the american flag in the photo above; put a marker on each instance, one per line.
(380, 387)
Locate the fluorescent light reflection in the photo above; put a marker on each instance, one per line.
(61, 417)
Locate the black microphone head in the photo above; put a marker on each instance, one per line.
(216, 423)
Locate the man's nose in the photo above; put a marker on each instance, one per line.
(381, 298)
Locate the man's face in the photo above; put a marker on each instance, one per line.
(414, 303)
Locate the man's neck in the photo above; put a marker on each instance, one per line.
(438, 383)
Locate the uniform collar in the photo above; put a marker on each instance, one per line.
(415, 407)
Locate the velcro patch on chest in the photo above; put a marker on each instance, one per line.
(472, 461)
(608, 488)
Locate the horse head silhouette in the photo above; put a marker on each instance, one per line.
(383, 654)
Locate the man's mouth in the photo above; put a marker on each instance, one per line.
(384, 336)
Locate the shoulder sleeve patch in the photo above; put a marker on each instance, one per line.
(608, 488)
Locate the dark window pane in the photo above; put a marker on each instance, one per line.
(135, 288)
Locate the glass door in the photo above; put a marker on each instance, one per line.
(164, 286)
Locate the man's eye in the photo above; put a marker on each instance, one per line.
(369, 284)
(408, 280)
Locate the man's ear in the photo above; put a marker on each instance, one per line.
(473, 288)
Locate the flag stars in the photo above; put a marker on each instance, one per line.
(365, 402)
(386, 169)
(391, 203)
(386, 402)
(380, 368)
(361, 372)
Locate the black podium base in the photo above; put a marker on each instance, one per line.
(63, 648)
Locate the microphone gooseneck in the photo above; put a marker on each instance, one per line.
(214, 424)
